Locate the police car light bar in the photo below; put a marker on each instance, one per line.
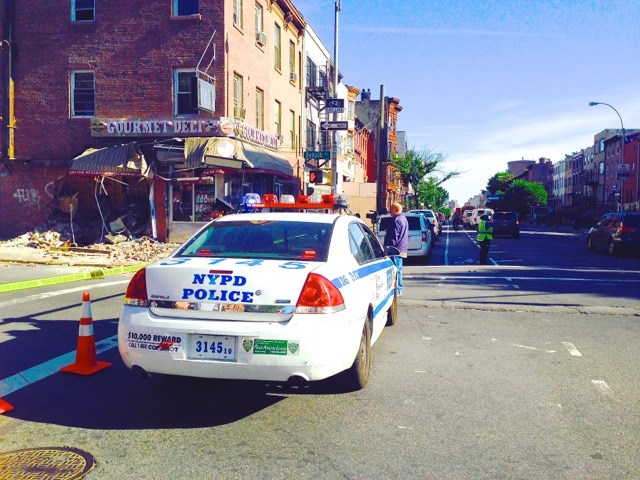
(303, 202)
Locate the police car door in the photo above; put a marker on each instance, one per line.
(376, 274)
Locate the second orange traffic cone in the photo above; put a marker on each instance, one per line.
(86, 359)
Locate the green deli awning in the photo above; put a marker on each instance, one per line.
(225, 152)
(115, 160)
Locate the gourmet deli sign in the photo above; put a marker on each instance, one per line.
(164, 127)
(180, 127)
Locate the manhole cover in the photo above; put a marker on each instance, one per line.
(50, 463)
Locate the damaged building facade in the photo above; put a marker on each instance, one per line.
(134, 116)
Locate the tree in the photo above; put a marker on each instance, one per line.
(499, 183)
(522, 195)
(415, 168)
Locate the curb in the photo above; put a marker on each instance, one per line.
(72, 277)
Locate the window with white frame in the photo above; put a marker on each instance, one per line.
(259, 18)
(83, 10)
(237, 13)
(238, 93)
(292, 129)
(292, 58)
(259, 109)
(183, 8)
(185, 92)
(83, 94)
(278, 117)
(277, 46)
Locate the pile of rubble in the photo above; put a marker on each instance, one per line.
(115, 250)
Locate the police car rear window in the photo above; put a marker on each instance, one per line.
(286, 240)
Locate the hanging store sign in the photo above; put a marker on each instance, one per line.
(162, 127)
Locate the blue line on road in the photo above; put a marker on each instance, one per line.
(48, 368)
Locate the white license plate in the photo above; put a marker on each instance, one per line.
(212, 347)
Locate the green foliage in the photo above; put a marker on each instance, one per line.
(416, 168)
(499, 182)
(522, 195)
(517, 195)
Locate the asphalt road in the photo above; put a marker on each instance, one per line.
(523, 369)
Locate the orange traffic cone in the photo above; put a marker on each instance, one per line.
(86, 359)
(5, 407)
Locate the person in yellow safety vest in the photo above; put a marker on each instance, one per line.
(485, 235)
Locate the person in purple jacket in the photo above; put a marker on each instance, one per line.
(398, 237)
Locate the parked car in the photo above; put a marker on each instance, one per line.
(420, 241)
(431, 217)
(263, 296)
(506, 223)
(476, 214)
(616, 232)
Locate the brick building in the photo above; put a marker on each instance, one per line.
(382, 147)
(112, 93)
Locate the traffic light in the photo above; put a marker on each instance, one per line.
(316, 177)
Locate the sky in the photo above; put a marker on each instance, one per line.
(488, 82)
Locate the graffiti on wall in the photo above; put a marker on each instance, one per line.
(28, 196)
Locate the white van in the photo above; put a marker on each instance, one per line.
(477, 213)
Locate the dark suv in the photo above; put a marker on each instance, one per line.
(506, 223)
(617, 232)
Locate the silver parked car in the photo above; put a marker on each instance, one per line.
(419, 233)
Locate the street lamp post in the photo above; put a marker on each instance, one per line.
(592, 104)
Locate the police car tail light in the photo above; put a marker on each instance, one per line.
(136, 294)
(319, 295)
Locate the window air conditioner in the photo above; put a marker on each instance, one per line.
(293, 77)
(261, 38)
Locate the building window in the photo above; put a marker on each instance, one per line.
(259, 109)
(83, 93)
(278, 117)
(83, 10)
(259, 18)
(323, 80)
(311, 135)
(277, 47)
(312, 73)
(292, 129)
(186, 92)
(292, 60)
(183, 8)
(351, 110)
(237, 13)
(238, 101)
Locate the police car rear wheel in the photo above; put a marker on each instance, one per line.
(357, 376)
(392, 313)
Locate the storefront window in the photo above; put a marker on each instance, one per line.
(193, 202)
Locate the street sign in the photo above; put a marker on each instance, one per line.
(334, 125)
(320, 154)
(334, 105)
(494, 197)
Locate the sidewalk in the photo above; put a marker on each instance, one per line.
(22, 268)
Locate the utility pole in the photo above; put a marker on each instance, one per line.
(382, 155)
(8, 93)
(334, 150)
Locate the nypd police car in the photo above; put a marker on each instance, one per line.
(279, 296)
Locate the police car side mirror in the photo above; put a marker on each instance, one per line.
(391, 251)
